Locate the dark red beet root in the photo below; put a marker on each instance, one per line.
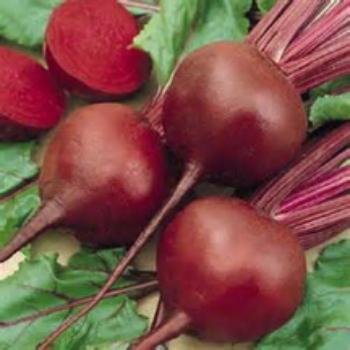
(89, 49)
(30, 101)
(104, 174)
(233, 112)
(227, 273)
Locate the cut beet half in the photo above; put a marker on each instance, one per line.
(89, 49)
(30, 101)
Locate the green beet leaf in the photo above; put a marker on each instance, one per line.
(16, 165)
(40, 284)
(24, 21)
(330, 108)
(182, 26)
(16, 210)
(323, 321)
(265, 5)
(333, 87)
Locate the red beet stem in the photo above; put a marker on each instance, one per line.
(159, 315)
(313, 197)
(308, 39)
(191, 175)
(169, 329)
(51, 213)
(274, 193)
(313, 239)
(152, 112)
(317, 217)
(330, 186)
(141, 5)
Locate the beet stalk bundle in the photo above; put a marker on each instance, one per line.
(226, 120)
(313, 196)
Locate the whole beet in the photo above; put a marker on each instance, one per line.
(88, 49)
(30, 100)
(104, 174)
(226, 273)
(232, 112)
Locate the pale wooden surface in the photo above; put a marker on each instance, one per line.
(66, 246)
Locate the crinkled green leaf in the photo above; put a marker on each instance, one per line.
(42, 283)
(183, 25)
(24, 21)
(323, 321)
(265, 5)
(331, 87)
(330, 108)
(16, 164)
(16, 210)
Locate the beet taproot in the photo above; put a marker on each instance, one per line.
(30, 100)
(104, 174)
(88, 49)
(226, 273)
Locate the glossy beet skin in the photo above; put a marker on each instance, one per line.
(89, 49)
(30, 101)
(107, 169)
(232, 111)
(235, 274)
(104, 174)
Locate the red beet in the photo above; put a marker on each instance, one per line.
(226, 273)
(104, 174)
(30, 101)
(89, 49)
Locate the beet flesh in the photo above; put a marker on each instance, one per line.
(235, 274)
(232, 111)
(89, 49)
(104, 174)
(30, 101)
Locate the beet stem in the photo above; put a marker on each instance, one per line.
(152, 112)
(133, 3)
(159, 315)
(334, 184)
(148, 287)
(270, 197)
(50, 214)
(317, 217)
(168, 330)
(313, 239)
(192, 173)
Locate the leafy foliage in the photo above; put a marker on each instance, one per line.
(24, 21)
(183, 26)
(16, 210)
(330, 108)
(42, 283)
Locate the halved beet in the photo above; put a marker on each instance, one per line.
(89, 49)
(30, 101)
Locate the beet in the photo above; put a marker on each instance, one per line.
(89, 49)
(233, 113)
(104, 174)
(226, 273)
(30, 101)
